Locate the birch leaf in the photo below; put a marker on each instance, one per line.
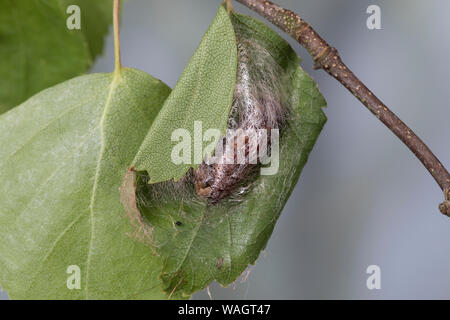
(37, 50)
(63, 156)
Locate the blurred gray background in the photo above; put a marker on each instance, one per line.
(362, 198)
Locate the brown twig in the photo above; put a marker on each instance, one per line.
(327, 58)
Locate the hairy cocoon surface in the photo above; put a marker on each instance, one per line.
(259, 102)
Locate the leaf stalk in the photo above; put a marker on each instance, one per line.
(116, 15)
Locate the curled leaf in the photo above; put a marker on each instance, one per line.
(203, 94)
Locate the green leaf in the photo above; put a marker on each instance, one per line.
(201, 242)
(37, 50)
(203, 93)
(63, 157)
